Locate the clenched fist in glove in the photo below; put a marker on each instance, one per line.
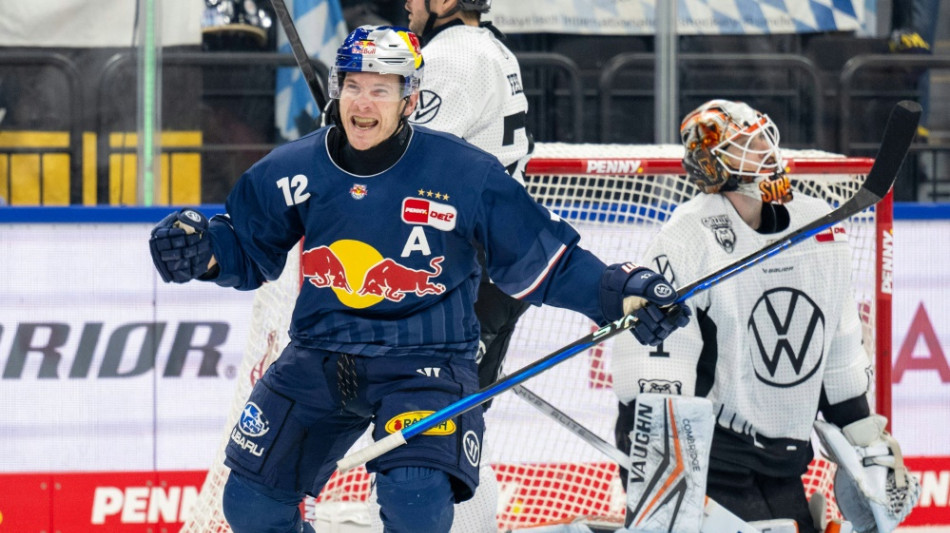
(629, 288)
(181, 247)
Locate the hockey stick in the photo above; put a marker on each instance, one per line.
(300, 54)
(574, 426)
(898, 134)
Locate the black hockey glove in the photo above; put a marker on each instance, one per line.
(629, 288)
(181, 248)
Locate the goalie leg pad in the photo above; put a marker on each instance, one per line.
(669, 460)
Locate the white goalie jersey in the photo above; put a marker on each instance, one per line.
(484, 105)
(760, 345)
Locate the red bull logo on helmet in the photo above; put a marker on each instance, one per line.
(429, 213)
(366, 48)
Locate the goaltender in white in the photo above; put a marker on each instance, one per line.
(771, 348)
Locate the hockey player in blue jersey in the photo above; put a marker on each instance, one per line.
(384, 329)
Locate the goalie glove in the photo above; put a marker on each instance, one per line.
(873, 488)
(181, 248)
(629, 288)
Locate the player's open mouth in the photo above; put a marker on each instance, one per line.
(364, 123)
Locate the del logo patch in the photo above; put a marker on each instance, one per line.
(429, 213)
(404, 420)
(832, 234)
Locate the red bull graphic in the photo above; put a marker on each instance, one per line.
(324, 269)
(393, 281)
(378, 278)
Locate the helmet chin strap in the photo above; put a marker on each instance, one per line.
(403, 118)
(430, 22)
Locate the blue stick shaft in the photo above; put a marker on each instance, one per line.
(898, 135)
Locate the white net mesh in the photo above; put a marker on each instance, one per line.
(616, 196)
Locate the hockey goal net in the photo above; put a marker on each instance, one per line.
(616, 196)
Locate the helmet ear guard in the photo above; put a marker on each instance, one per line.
(706, 171)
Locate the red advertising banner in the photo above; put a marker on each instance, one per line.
(934, 476)
(97, 501)
(119, 502)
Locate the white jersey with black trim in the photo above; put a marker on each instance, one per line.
(472, 88)
(762, 344)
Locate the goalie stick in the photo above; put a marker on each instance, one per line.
(898, 134)
(300, 54)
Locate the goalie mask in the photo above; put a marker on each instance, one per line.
(732, 147)
(379, 49)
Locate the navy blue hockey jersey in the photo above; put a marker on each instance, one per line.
(389, 260)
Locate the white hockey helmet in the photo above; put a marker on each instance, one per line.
(379, 49)
(732, 147)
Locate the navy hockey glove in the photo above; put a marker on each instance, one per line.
(654, 324)
(629, 288)
(181, 248)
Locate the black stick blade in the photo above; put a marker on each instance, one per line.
(898, 134)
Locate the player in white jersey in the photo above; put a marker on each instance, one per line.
(772, 347)
(474, 91)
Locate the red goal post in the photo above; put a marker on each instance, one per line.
(617, 196)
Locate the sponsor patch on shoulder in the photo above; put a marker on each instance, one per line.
(404, 420)
(832, 234)
(426, 212)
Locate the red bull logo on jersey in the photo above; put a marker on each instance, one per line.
(323, 268)
(393, 281)
(404, 420)
(361, 277)
(426, 212)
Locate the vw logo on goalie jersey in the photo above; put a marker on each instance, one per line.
(787, 330)
(661, 264)
(253, 423)
(427, 108)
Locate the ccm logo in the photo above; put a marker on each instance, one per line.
(419, 211)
